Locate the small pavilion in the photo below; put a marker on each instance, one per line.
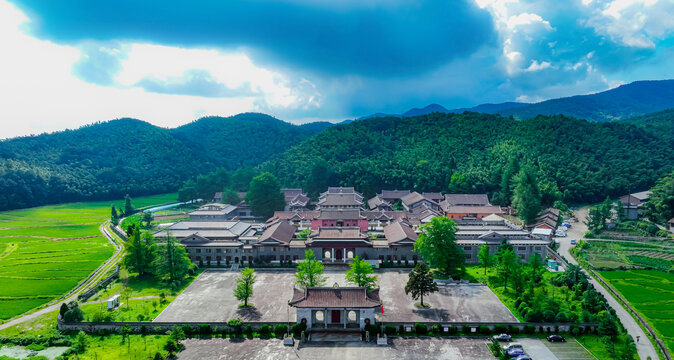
(336, 307)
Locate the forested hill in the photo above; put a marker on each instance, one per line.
(634, 99)
(109, 159)
(576, 160)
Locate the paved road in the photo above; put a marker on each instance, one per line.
(577, 231)
(98, 275)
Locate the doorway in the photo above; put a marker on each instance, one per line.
(335, 316)
(338, 254)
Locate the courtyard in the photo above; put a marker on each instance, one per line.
(398, 348)
(209, 299)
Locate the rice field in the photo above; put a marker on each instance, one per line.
(47, 251)
(651, 293)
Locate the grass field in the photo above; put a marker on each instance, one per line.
(656, 255)
(46, 251)
(651, 293)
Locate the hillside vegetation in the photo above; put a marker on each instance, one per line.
(110, 159)
(576, 160)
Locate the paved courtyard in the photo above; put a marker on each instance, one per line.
(399, 348)
(209, 299)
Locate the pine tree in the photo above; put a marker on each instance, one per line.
(486, 260)
(526, 196)
(114, 216)
(507, 266)
(128, 207)
(420, 282)
(172, 261)
(140, 253)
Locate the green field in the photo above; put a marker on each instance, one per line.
(46, 251)
(651, 293)
(650, 255)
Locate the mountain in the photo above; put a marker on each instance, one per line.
(630, 100)
(634, 99)
(426, 110)
(317, 126)
(107, 160)
(575, 160)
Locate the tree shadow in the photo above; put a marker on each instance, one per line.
(433, 314)
(249, 313)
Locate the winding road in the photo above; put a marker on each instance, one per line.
(86, 284)
(577, 231)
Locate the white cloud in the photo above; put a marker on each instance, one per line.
(635, 23)
(40, 93)
(536, 66)
(526, 19)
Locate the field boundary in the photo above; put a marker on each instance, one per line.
(635, 314)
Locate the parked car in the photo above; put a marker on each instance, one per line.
(524, 357)
(515, 352)
(573, 241)
(512, 346)
(502, 337)
(556, 338)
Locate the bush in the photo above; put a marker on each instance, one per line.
(74, 315)
(420, 329)
(204, 329)
(264, 330)
(561, 317)
(465, 329)
(575, 331)
(549, 316)
(452, 330)
(249, 330)
(373, 329)
(298, 328)
(534, 316)
(483, 329)
(390, 330)
(280, 329)
(236, 325)
(500, 329)
(529, 329)
(35, 347)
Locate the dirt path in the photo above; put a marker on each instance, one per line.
(577, 231)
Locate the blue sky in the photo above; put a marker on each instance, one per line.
(72, 62)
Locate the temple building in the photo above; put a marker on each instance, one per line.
(335, 307)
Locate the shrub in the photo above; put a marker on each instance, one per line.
(35, 347)
(548, 316)
(420, 329)
(236, 324)
(465, 329)
(264, 330)
(390, 330)
(435, 329)
(204, 329)
(561, 317)
(500, 329)
(74, 315)
(280, 329)
(249, 330)
(529, 329)
(483, 329)
(373, 329)
(298, 328)
(452, 330)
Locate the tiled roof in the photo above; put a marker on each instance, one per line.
(467, 199)
(435, 196)
(413, 198)
(340, 200)
(295, 214)
(394, 194)
(338, 297)
(290, 194)
(340, 215)
(398, 231)
(374, 215)
(281, 231)
(376, 201)
(338, 233)
(487, 209)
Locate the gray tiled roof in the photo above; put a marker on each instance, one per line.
(467, 199)
(339, 297)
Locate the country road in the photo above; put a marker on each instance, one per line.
(577, 231)
(98, 275)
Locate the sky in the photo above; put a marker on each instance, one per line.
(67, 63)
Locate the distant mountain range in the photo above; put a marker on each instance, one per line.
(625, 101)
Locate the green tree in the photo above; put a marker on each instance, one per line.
(361, 274)
(244, 286)
(229, 196)
(264, 195)
(80, 343)
(507, 266)
(536, 265)
(208, 184)
(140, 253)
(309, 271)
(420, 282)
(304, 234)
(504, 195)
(660, 205)
(437, 246)
(242, 177)
(486, 260)
(172, 261)
(526, 196)
(128, 207)
(459, 183)
(146, 219)
(188, 191)
(114, 216)
(171, 346)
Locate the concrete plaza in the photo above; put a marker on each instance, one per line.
(209, 299)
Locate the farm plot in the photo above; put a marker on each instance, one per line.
(651, 293)
(47, 251)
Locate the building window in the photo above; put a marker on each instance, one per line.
(538, 248)
(468, 256)
(228, 258)
(243, 258)
(521, 248)
(208, 250)
(467, 248)
(198, 251)
(218, 258)
(261, 248)
(327, 255)
(208, 258)
(198, 258)
(381, 257)
(218, 250)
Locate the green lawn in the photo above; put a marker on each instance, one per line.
(651, 293)
(48, 250)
